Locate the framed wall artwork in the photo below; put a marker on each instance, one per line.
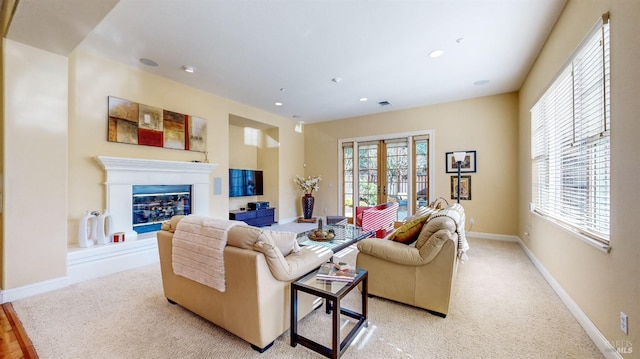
(465, 188)
(468, 165)
(140, 124)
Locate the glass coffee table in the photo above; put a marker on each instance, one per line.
(332, 291)
(345, 235)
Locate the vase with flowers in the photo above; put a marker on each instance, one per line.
(307, 186)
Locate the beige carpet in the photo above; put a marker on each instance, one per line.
(502, 308)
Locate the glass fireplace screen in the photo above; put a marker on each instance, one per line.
(154, 204)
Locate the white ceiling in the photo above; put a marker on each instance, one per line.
(248, 50)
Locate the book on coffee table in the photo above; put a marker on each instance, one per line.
(329, 271)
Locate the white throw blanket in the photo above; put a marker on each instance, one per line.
(456, 213)
(198, 249)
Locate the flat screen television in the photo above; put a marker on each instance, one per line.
(244, 183)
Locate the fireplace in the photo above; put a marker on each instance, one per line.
(125, 174)
(154, 204)
(122, 175)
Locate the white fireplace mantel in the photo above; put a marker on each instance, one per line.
(123, 173)
(121, 170)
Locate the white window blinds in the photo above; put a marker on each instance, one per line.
(570, 129)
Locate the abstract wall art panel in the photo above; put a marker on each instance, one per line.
(197, 134)
(150, 137)
(123, 109)
(174, 126)
(126, 131)
(150, 118)
(134, 123)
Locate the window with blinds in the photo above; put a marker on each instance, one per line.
(570, 129)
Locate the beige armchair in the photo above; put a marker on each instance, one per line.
(421, 276)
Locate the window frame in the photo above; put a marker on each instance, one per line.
(563, 170)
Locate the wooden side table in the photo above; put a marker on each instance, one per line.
(332, 292)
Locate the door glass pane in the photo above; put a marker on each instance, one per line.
(398, 176)
(368, 174)
(421, 173)
(347, 179)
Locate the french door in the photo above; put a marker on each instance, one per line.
(394, 169)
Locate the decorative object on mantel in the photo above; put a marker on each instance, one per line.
(87, 230)
(118, 237)
(139, 124)
(468, 163)
(104, 228)
(308, 186)
(95, 228)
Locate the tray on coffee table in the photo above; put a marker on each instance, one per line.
(345, 236)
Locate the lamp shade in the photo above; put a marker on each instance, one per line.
(459, 156)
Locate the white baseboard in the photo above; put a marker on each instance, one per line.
(592, 331)
(30, 290)
(93, 262)
(495, 237)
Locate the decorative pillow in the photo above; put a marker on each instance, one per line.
(286, 242)
(408, 232)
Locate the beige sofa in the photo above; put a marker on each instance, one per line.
(422, 275)
(255, 305)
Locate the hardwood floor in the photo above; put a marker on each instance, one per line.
(14, 342)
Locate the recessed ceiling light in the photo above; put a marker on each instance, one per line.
(363, 99)
(460, 40)
(148, 62)
(188, 68)
(278, 103)
(481, 82)
(436, 53)
(336, 80)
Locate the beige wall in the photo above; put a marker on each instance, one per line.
(243, 154)
(35, 165)
(292, 163)
(488, 125)
(268, 162)
(601, 284)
